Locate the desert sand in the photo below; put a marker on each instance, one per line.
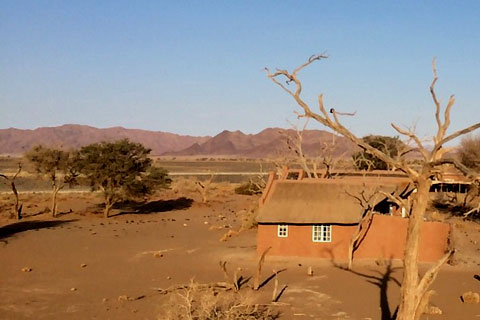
(82, 266)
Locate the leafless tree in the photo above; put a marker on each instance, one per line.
(296, 145)
(17, 208)
(415, 288)
(329, 160)
(367, 199)
(204, 188)
(311, 165)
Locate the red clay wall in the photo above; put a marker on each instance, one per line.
(385, 239)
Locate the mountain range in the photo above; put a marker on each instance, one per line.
(269, 143)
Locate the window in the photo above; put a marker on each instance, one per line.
(322, 233)
(282, 231)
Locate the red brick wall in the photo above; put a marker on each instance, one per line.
(385, 239)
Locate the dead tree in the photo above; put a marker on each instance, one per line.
(297, 147)
(17, 208)
(367, 202)
(204, 188)
(415, 289)
(256, 281)
(329, 160)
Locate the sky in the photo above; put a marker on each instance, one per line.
(197, 67)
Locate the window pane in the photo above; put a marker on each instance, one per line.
(322, 233)
(282, 230)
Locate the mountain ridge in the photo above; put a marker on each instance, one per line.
(268, 143)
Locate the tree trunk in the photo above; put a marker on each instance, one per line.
(17, 213)
(108, 206)
(54, 200)
(360, 232)
(410, 295)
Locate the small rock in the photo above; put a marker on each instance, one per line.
(157, 254)
(433, 310)
(104, 300)
(123, 298)
(73, 289)
(83, 265)
(26, 269)
(310, 271)
(184, 224)
(228, 235)
(471, 297)
(206, 222)
(169, 278)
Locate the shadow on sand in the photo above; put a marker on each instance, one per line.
(17, 227)
(381, 279)
(133, 207)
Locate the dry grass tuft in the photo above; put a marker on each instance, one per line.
(249, 221)
(196, 302)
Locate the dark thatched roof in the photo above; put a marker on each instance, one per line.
(321, 201)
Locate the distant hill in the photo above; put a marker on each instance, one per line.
(269, 143)
(17, 141)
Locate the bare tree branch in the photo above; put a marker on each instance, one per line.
(412, 136)
(413, 289)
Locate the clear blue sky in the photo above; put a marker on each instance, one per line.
(196, 67)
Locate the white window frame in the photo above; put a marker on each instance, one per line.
(322, 233)
(282, 230)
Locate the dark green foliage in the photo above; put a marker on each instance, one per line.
(469, 152)
(121, 170)
(391, 146)
(50, 162)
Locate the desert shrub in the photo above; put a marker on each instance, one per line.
(469, 152)
(249, 188)
(195, 302)
(250, 220)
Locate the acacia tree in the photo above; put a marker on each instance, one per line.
(57, 165)
(415, 291)
(391, 146)
(121, 170)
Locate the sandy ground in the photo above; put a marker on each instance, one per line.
(84, 266)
